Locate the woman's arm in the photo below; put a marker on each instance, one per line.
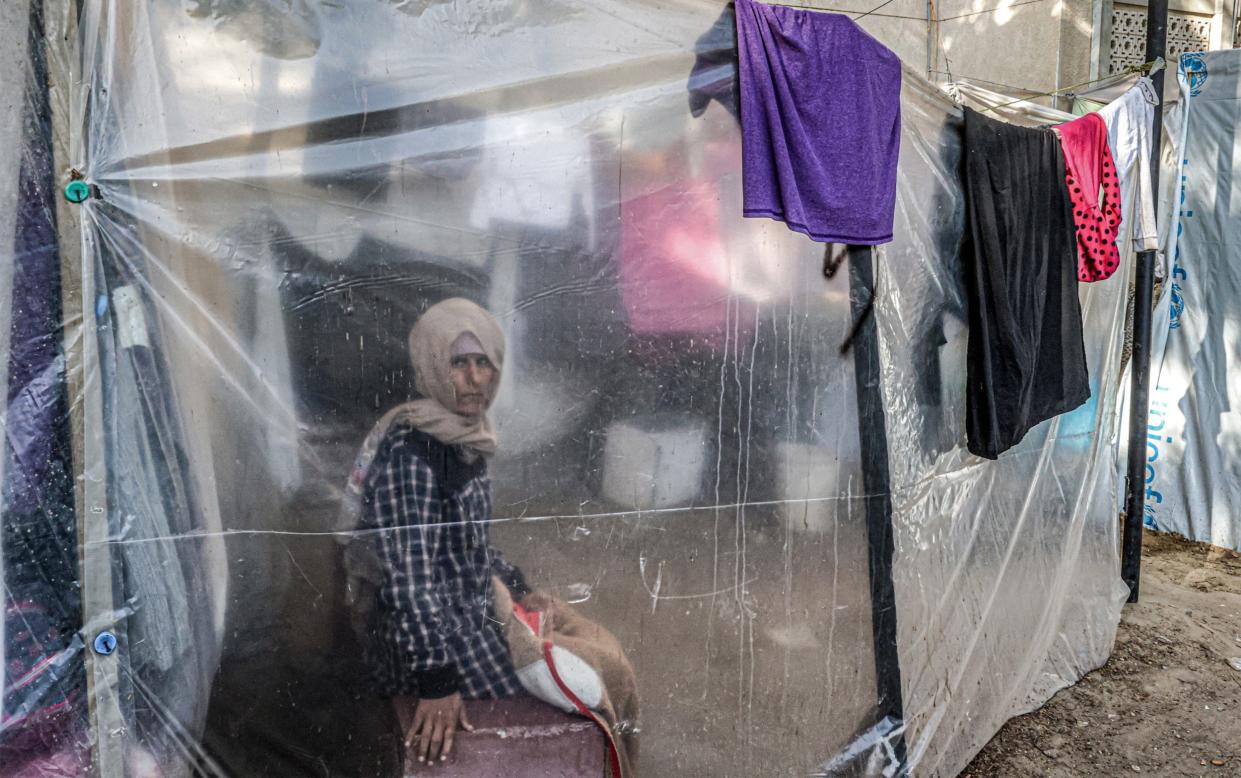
(509, 574)
(410, 514)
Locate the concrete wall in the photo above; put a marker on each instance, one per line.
(1011, 45)
(1035, 45)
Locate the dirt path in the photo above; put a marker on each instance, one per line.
(1167, 703)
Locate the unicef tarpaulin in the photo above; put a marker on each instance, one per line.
(1193, 442)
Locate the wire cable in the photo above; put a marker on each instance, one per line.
(874, 11)
(1145, 66)
(876, 8)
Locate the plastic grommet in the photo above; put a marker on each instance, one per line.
(77, 191)
(105, 643)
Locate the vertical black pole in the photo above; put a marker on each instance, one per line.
(1139, 404)
(877, 484)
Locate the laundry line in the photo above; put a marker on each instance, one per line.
(1154, 66)
(934, 19)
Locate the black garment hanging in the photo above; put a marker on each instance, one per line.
(1027, 361)
(714, 75)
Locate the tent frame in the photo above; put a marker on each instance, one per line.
(1139, 394)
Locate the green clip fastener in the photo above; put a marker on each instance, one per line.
(77, 191)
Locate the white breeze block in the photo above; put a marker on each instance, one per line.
(810, 488)
(657, 462)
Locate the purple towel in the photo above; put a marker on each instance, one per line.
(821, 123)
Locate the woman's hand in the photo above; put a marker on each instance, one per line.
(434, 727)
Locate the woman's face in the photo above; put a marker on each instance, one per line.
(473, 382)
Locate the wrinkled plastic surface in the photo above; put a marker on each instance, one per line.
(284, 187)
(43, 696)
(1006, 572)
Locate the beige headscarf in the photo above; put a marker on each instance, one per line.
(430, 351)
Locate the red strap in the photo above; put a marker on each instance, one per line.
(532, 619)
(613, 753)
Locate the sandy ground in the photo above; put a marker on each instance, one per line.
(1167, 703)
(747, 664)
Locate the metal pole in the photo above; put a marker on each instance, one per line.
(877, 484)
(1139, 404)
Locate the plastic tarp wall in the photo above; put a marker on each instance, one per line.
(1193, 447)
(43, 695)
(281, 191)
(1006, 572)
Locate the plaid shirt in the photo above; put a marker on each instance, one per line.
(434, 632)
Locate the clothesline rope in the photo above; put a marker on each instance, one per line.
(871, 11)
(934, 19)
(1014, 88)
(1142, 68)
(986, 11)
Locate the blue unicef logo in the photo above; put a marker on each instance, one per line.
(1148, 517)
(1193, 71)
(1176, 308)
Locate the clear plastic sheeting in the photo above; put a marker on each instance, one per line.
(281, 190)
(1006, 572)
(44, 727)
